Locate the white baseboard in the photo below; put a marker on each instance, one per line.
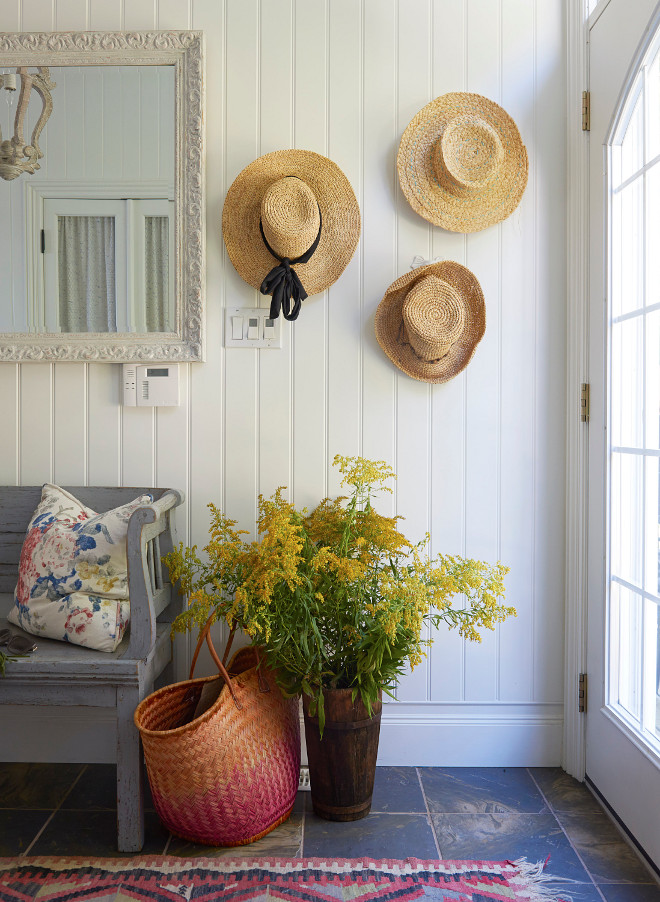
(486, 736)
(426, 735)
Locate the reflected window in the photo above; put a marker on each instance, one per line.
(106, 266)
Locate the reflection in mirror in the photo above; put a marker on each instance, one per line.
(102, 246)
(99, 212)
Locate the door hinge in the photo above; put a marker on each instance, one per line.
(586, 111)
(582, 693)
(584, 402)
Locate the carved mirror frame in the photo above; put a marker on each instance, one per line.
(185, 51)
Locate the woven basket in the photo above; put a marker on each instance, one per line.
(229, 776)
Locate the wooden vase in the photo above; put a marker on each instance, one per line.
(342, 765)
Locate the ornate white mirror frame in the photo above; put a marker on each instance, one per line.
(185, 51)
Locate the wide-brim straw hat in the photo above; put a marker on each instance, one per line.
(290, 190)
(462, 163)
(431, 320)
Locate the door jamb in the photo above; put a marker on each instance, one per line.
(577, 372)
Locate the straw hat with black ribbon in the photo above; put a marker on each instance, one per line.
(431, 320)
(291, 224)
(462, 163)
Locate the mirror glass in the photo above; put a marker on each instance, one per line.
(93, 264)
(99, 212)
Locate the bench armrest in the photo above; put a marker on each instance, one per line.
(150, 535)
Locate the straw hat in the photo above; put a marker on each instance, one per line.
(292, 205)
(431, 320)
(462, 164)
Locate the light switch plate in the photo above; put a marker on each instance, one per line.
(264, 326)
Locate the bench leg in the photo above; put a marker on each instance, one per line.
(130, 788)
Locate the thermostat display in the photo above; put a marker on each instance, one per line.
(148, 386)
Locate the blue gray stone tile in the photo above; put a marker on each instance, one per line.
(637, 892)
(299, 804)
(563, 792)
(96, 790)
(507, 835)
(94, 834)
(284, 841)
(376, 836)
(39, 786)
(601, 847)
(18, 828)
(569, 891)
(480, 790)
(397, 789)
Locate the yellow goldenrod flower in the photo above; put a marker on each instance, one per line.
(337, 596)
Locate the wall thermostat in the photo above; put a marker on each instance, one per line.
(150, 385)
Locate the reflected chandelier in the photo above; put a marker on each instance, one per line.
(17, 157)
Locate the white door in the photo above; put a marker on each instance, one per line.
(623, 730)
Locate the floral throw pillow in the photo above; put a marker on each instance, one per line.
(73, 572)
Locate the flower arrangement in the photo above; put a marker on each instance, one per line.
(336, 598)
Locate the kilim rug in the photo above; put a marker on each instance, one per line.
(298, 880)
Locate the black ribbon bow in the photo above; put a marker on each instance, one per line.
(283, 282)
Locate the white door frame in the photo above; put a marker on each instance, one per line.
(577, 318)
(577, 369)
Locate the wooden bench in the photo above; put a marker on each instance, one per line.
(61, 674)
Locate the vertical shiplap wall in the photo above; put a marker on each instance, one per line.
(480, 459)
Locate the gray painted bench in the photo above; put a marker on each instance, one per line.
(61, 674)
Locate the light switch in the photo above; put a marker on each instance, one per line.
(253, 328)
(237, 328)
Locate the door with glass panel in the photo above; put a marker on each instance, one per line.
(623, 719)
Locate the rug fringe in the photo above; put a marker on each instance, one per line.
(534, 884)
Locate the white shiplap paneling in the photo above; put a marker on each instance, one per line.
(518, 321)
(480, 459)
(483, 376)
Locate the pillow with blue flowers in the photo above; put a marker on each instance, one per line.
(73, 572)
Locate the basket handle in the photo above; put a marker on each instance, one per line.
(232, 632)
(205, 633)
(263, 682)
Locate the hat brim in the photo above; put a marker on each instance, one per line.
(339, 208)
(389, 319)
(425, 194)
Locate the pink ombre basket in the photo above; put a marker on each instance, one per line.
(230, 775)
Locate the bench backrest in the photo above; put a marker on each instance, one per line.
(18, 504)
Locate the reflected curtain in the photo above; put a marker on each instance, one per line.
(86, 270)
(156, 273)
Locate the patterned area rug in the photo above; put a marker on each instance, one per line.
(245, 880)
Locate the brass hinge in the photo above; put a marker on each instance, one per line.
(586, 111)
(582, 693)
(584, 402)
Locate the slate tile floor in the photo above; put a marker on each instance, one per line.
(426, 812)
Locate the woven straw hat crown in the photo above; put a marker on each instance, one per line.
(289, 193)
(434, 318)
(290, 216)
(431, 320)
(461, 163)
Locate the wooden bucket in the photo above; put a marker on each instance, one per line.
(342, 765)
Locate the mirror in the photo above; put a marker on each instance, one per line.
(102, 246)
